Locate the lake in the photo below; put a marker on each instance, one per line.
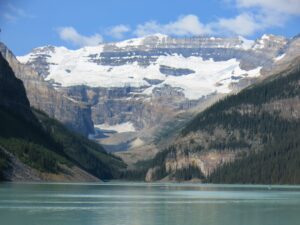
(148, 204)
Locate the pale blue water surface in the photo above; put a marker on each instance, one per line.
(148, 204)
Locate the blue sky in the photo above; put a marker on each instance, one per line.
(27, 24)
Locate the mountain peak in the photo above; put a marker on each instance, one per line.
(158, 35)
(134, 42)
(270, 41)
(246, 43)
(48, 49)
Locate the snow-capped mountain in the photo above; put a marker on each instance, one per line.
(145, 81)
(199, 66)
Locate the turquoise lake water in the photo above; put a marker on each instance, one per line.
(148, 204)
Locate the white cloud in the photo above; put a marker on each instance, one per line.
(257, 15)
(289, 7)
(243, 24)
(184, 25)
(147, 28)
(69, 34)
(118, 31)
(248, 23)
(253, 16)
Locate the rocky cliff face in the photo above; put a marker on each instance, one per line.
(74, 114)
(148, 81)
(12, 93)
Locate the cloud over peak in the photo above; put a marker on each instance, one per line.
(70, 34)
(250, 17)
(118, 31)
(243, 24)
(289, 7)
(184, 25)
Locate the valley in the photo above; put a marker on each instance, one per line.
(147, 82)
(165, 108)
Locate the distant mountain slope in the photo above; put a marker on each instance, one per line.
(36, 147)
(250, 137)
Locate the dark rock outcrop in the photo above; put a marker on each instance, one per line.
(12, 92)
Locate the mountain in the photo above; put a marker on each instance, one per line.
(249, 137)
(75, 115)
(35, 147)
(191, 108)
(137, 87)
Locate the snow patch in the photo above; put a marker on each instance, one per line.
(279, 57)
(246, 44)
(208, 74)
(137, 143)
(265, 37)
(119, 128)
(134, 42)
